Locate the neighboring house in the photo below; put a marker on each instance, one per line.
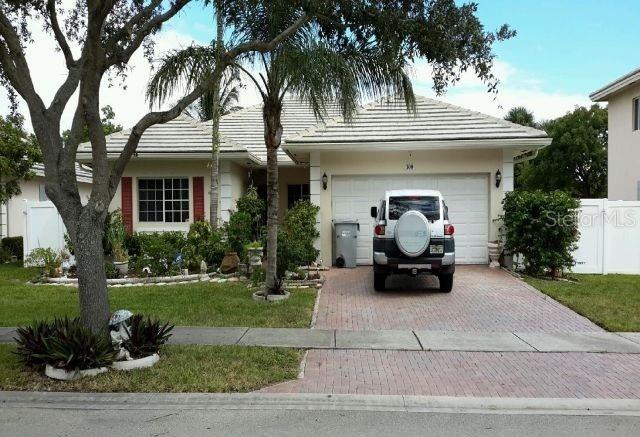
(12, 213)
(623, 96)
(342, 167)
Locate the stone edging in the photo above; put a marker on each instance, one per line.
(153, 280)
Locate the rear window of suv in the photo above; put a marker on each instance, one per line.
(428, 206)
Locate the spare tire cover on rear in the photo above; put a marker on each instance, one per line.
(412, 233)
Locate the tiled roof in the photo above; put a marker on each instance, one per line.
(378, 122)
(182, 135)
(245, 127)
(83, 173)
(387, 120)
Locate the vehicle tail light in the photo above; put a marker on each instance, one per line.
(449, 229)
(379, 230)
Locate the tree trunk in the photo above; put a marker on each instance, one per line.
(215, 123)
(272, 218)
(271, 112)
(92, 280)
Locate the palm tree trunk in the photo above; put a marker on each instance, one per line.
(215, 124)
(272, 218)
(271, 113)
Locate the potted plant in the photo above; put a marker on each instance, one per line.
(65, 348)
(120, 258)
(144, 338)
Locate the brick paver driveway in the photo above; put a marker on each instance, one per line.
(482, 299)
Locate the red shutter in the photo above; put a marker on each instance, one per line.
(127, 203)
(198, 198)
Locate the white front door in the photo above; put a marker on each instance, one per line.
(467, 197)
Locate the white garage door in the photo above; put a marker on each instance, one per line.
(467, 197)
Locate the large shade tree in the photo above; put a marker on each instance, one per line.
(96, 39)
(576, 159)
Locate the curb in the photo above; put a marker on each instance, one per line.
(323, 402)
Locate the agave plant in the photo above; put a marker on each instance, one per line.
(64, 344)
(146, 336)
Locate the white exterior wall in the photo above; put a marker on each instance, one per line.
(395, 163)
(13, 223)
(624, 147)
(232, 180)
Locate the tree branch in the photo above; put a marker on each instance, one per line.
(57, 32)
(122, 55)
(152, 118)
(266, 46)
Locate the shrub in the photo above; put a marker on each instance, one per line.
(543, 227)
(110, 270)
(156, 250)
(239, 231)
(14, 246)
(251, 204)
(258, 276)
(5, 255)
(47, 259)
(296, 237)
(203, 243)
(146, 336)
(64, 344)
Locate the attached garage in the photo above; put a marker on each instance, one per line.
(467, 197)
(467, 156)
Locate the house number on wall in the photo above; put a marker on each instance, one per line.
(409, 167)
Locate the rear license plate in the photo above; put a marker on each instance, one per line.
(414, 266)
(436, 249)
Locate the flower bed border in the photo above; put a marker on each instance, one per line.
(151, 280)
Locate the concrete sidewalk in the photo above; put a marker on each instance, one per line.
(408, 340)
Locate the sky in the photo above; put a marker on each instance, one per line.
(563, 51)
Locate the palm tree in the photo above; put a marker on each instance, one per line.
(195, 66)
(318, 72)
(521, 115)
(202, 109)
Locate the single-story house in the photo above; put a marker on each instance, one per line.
(623, 96)
(342, 167)
(12, 213)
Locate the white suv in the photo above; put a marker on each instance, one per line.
(413, 236)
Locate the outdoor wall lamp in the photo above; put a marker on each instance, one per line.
(498, 178)
(325, 180)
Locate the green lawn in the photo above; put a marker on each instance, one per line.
(610, 301)
(181, 369)
(200, 304)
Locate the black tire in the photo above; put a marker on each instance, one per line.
(379, 280)
(446, 283)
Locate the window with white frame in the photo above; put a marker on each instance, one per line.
(163, 200)
(636, 113)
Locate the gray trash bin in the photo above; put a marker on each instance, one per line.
(345, 240)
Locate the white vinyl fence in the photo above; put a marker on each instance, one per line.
(609, 237)
(43, 227)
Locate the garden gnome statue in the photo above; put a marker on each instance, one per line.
(118, 327)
